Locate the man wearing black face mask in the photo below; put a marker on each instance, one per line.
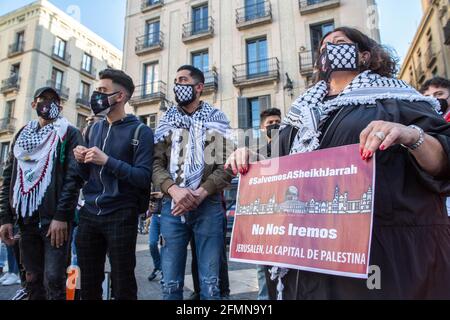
(41, 187)
(440, 89)
(116, 163)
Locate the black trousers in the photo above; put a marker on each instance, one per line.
(44, 264)
(114, 234)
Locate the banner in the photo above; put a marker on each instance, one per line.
(311, 211)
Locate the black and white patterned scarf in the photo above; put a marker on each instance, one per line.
(310, 110)
(205, 119)
(35, 151)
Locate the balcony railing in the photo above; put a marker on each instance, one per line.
(10, 85)
(311, 6)
(148, 5)
(62, 91)
(307, 61)
(256, 72)
(8, 125)
(148, 93)
(198, 29)
(83, 100)
(65, 59)
(89, 73)
(16, 49)
(211, 81)
(430, 56)
(252, 15)
(149, 43)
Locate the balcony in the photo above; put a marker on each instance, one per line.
(307, 60)
(8, 125)
(256, 72)
(62, 91)
(65, 59)
(312, 6)
(211, 81)
(12, 84)
(149, 93)
(16, 49)
(447, 33)
(254, 15)
(89, 73)
(149, 43)
(198, 30)
(148, 5)
(83, 101)
(430, 56)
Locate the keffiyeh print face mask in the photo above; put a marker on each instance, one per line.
(184, 94)
(48, 110)
(338, 57)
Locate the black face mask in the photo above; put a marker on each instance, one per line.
(48, 110)
(338, 57)
(100, 103)
(269, 129)
(444, 105)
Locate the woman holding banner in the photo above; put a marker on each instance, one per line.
(356, 99)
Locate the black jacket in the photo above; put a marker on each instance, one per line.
(119, 184)
(62, 194)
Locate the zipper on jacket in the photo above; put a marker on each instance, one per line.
(101, 171)
(331, 124)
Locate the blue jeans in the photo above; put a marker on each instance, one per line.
(153, 239)
(73, 248)
(263, 293)
(12, 262)
(205, 224)
(3, 254)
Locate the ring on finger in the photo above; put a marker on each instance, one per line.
(380, 135)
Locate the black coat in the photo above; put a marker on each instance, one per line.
(411, 228)
(61, 196)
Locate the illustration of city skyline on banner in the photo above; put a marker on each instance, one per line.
(291, 203)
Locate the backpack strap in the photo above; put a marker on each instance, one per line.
(135, 140)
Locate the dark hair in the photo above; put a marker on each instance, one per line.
(195, 73)
(270, 112)
(119, 77)
(437, 82)
(382, 59)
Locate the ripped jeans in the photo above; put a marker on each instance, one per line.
(205, 224)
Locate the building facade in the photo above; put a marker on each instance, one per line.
(41, 45)
(255, 54)
(429, 54)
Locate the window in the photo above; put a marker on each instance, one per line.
(15, 69)
(20, 36)
(200, 60)
(150, 120)
(85, 90)
(200, 19)
(81, 121)
(60, 48)
(9, 109)
(152, 30)
(318, 31)
(257, 60)
(4, 152)
(435, 72)
(151, 78)
(254, 9)
(86, 65)
(250, 111)
(57, 78)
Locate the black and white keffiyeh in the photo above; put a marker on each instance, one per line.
(35, 151)
(205, 119)
(310, 110)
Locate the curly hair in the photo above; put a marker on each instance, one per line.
(382, 59)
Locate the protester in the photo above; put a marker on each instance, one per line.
(189, 157)
(116, 163)
(41, 188)
(356, 99)
(154, 234)
(440, 89)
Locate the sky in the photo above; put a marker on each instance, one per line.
(398, 19)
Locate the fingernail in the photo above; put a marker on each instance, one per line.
(382, 147)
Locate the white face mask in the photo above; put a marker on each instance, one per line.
(184, 94)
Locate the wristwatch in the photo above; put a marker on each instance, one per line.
(419, 142)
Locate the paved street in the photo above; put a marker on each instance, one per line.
(243, 281)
